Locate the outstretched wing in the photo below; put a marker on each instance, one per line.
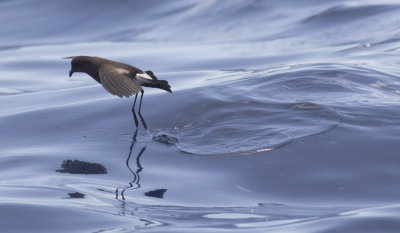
(116, 81)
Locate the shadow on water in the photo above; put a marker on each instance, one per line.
(158, 193)
(76, 195)
(81, 167)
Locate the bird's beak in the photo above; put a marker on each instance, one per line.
(70, 73)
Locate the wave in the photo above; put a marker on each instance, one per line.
(347, 12)
(157, 20)
(263, 112)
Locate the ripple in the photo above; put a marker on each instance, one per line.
(248, 116)
(263, 111)
(250, 129)
(10, 91)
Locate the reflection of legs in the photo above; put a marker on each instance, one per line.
(133, 111)
(140, 107)
(136, 177)
(129, 157)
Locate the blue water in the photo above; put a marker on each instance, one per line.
(284, 117)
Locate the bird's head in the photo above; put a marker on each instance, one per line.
(79, 64)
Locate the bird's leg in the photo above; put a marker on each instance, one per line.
(141, 98)
(134, 103)
(133, 112)
(140, 115)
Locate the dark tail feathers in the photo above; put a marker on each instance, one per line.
(151, 74)
(163, 84)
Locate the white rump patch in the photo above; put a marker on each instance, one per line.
(144, 75)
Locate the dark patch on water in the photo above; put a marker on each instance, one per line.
(81, 167)
(76, 195)
(158, 193)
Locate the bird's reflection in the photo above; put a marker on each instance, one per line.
(135, 183)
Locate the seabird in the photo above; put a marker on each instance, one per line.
(118, 78)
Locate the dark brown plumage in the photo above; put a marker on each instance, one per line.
(118, 78)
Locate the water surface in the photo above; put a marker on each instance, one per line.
(283, 117)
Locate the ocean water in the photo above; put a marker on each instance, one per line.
(284, 117)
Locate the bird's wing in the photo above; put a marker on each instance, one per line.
(116, 81)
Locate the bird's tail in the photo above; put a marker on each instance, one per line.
(163, 84)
